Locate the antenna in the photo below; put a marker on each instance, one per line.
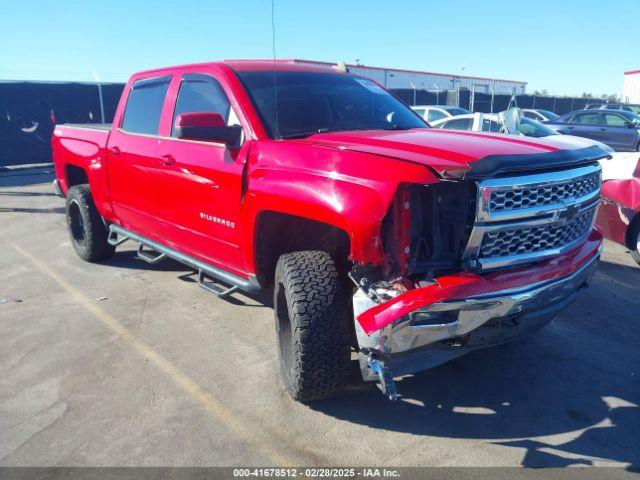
(273, 50)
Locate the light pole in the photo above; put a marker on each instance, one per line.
(97, 79)
(414, 93)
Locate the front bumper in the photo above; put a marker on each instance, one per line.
(432, 333)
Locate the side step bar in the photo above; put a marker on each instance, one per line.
(248, 285)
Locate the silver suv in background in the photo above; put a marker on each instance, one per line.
(613, 106)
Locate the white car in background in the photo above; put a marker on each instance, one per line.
(519, 125)
(538, 114)
(432, 113)
(492, 122)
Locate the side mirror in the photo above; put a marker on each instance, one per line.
(630, 125)
(207, 127)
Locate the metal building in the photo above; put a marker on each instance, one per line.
(420, 80)
(631, 87)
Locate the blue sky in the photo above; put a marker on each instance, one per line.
(563, 46)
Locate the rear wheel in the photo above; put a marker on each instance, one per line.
(312, 326)
(86, 228)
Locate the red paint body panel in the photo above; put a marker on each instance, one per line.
(83, 148)
(465, 285)
(620, 207)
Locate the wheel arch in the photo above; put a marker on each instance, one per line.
(277, 233)
(632, 232)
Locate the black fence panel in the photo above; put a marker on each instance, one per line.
(486, 103)
(482, 102)
(30, 110)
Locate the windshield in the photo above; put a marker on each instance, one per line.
(550, 115)
(531, 128)
(315, 102)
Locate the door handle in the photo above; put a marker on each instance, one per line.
(603, 129)
(167, 160)
(115, 151)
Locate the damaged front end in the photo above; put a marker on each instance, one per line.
(471, 265)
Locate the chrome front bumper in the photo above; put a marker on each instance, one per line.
(441, 331)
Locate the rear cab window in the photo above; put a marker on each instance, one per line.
(458, 124)
(435, 115)
(490, 126)
(144, 105)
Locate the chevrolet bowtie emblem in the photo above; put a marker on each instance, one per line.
(568, 213)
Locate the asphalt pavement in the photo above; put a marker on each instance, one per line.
(130, 364)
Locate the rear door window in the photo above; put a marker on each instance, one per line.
(144, 105)
(201, 93)
(586, 118)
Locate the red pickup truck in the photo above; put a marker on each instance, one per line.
(384, 241)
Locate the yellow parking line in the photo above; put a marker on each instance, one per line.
(210, 404)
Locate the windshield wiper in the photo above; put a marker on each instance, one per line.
(398, 127)
(304, 133)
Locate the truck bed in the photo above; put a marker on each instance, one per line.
(82, 146)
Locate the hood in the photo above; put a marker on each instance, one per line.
(456, 154)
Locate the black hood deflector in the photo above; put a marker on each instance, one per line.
(494, 165)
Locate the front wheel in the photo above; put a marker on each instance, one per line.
(634, 247)
(86, 228)
(312, 326)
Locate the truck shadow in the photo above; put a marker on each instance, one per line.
(31, 210)
(559, 414)
(22, 178)
(569, 394)
(128, 259)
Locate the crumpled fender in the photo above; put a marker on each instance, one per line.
(349, 190)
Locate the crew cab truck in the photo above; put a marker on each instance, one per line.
(387, 244)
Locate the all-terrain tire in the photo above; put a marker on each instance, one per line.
(311, 310)
(634, 240)
(86, 228)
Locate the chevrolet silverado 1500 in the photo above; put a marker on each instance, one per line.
(384, 241)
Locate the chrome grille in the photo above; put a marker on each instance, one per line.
(526, 218)
(533, 196)
(518, 241)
